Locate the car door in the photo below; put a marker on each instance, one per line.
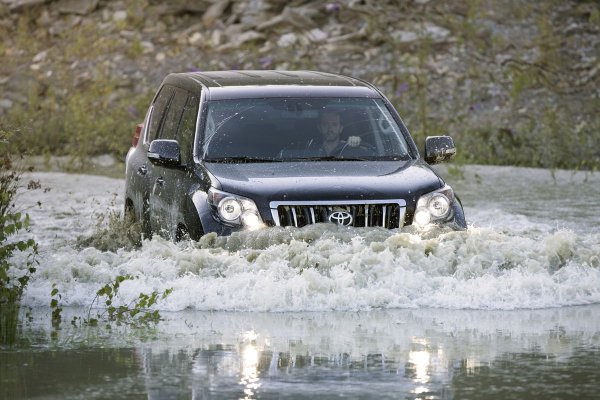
(167, 179)
(184, 179)
(149, 170)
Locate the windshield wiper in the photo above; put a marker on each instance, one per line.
(242, 159)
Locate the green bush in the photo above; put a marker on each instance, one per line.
(13, 278)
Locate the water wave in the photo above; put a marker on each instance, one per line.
(327, 267)
(505, 260)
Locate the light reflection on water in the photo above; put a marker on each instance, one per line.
(413, 354)
(249, 368)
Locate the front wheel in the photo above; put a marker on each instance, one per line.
(132, 225)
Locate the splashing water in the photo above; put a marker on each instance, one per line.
(533, 242)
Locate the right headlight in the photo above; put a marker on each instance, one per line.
(435, 206)
(234, 210)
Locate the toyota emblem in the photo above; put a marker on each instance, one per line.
(341, 218)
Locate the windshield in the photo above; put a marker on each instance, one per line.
(291, 129)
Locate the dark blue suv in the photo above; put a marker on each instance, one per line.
(231, 150)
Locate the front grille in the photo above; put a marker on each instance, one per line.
(383, 213)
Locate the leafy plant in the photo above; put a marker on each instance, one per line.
(55, 306)
(13, 280)
(137, 312)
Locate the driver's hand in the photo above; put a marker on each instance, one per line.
(354, 141)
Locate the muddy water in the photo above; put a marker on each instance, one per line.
(507, 309)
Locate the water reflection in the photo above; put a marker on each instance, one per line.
(414, 354)
(249, 369)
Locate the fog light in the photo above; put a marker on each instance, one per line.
(422, 217)
(230, 209)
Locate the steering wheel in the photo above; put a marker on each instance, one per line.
(364, 149)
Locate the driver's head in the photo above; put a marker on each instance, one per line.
(330, 125)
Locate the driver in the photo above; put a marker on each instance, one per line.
(330, 127)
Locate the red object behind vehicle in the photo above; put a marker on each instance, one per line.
(136, 134)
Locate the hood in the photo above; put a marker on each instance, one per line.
(326, 180)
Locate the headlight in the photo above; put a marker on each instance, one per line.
(438, 206)
(434, 206)
(234, 210)
(229, 209)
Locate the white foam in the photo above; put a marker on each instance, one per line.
(504, 261)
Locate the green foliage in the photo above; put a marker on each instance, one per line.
(595, 18)
(77, 114)
(55, 306)
(138, 312)
(13, 278)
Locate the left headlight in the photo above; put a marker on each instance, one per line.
(435, 206)
(234, 210)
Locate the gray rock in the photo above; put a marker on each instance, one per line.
(216, 37)
(436, 33)
(287, 40)
(233, 30)
(20, 5)
(252, 12)
(195, 39)
(248, 37)
(44, 19)
(214, 12)
(120, 15)
(39, 57)
(404, 36)
(148, 47)
(6, 103)
(300, 17)
(183, 6)
(80, 7)
(433, 32)
(237, 40)
(316, 35)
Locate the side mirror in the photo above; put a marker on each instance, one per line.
(439, 149)
(164, 152)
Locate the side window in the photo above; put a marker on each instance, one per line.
(168, 129)
(187, 128)
(158, 110)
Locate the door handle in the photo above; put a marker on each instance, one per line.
(143, 170)
(160, 181)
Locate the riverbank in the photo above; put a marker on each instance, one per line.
(514, 82)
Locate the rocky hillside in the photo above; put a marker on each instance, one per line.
(514, 81)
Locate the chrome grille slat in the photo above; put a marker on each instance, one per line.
(384, 213)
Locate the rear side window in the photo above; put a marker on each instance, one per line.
(158, 111)
(168, 129)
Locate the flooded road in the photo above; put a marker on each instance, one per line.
(508, 309)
